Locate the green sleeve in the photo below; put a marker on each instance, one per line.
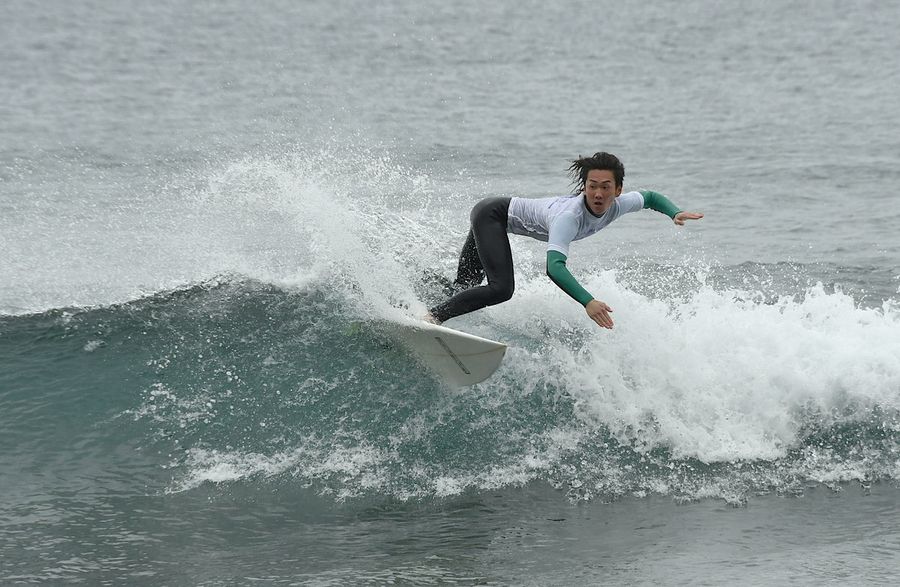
(559, 274)
(660, 203)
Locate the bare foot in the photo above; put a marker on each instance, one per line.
(430, 319)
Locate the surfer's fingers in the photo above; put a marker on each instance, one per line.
(682, 216)
(603, 320)
(599, 312)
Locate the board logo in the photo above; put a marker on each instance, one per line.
(452, 355)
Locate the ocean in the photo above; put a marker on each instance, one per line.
(203, 206)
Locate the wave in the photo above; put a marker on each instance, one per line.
(717, 380)
(715, 393)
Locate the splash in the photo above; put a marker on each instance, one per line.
(290, 219)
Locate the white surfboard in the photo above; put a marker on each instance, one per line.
(457, 357)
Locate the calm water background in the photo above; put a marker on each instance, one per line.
(199, 205)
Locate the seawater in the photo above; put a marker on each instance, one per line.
(202, 207)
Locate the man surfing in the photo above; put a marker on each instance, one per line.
(598, 201)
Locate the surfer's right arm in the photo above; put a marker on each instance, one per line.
(560, 275)
(562, 232)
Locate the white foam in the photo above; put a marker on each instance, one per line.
(719, 376)
(358, 468)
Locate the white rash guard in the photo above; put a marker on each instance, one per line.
(563, 219)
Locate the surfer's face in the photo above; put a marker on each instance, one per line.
(600, 190)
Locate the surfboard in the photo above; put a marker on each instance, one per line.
(457, 357)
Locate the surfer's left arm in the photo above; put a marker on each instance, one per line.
(660, 203)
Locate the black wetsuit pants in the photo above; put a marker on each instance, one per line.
(486, 252)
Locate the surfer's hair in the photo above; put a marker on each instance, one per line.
(580, 167)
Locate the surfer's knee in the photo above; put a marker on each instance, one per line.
(501, 292)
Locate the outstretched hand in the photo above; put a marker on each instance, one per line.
(682, 216)
(599, 313)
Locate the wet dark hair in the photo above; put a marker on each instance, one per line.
(580, 167)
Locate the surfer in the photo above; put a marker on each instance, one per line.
(597, 201)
